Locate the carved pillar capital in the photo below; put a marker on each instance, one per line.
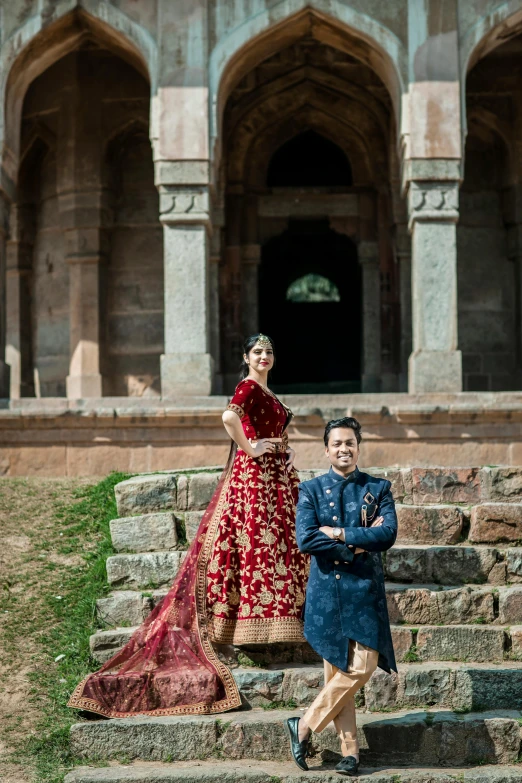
(433, 201)
(184, 205)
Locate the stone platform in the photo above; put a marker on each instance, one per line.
(60, 437)
(454, 589)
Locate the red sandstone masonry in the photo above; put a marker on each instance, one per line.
(495, 523)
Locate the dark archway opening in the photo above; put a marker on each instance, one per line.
(318, 339)
(309, 160)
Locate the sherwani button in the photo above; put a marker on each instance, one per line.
(328, 491)
(334, 519)
(336, 562)
(332, 503)
(338, 576)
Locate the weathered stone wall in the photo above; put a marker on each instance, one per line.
(131, 268)
(407, 90)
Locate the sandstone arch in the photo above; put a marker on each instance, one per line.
(329, 21)
(36, 47)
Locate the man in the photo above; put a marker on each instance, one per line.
(345, 518)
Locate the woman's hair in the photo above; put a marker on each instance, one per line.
(247, 347)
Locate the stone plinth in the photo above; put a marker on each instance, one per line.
(59, 437)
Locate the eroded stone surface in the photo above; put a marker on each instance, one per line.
(146, 494)
(502, 484)
(446, 485)
(148, 569)
(448, 565)
(429, 524)
(429, 606)
(460, 643)
(147, 533)
(121, 607)
(496, 522)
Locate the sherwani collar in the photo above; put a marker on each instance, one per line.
(333, 476)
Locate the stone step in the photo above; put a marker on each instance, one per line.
(470, 643)
(452, 565)
(191, 490)
(144, 569)
(395, 739)
(147, 533)
(217, 771)
(444, 565)
(412, 604)
(437, 524)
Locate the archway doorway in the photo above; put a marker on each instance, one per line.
(310, 303)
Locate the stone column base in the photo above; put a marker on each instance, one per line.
(186, 375)
(5, 376)
(435, 371)
(79, 387)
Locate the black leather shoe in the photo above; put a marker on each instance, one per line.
(348, 765)
(299, 749)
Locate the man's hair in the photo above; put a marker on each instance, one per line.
(348, 423)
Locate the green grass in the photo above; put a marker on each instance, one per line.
(64, 620)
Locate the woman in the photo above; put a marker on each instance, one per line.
(242, 580)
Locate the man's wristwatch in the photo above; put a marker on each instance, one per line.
(337, 533)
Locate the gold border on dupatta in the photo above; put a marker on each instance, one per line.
(232, 696)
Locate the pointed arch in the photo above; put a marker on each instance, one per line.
(34, 48)
(330, 21)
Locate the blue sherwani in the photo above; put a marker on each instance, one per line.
(345, 596)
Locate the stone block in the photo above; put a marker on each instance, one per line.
(105, 644)
(425, 606)
(146, 494)
(302, 685)
(456, 565)
(481, 689)
(496, 522)
(446, 485)
(161, 739)
(259, 687)
(192, 522)
(429, 524)
(447, 565)
(515, 633)
(460, 643)
(146, 533)
(148, 569)
(510, 605)
(200, 490)
(463, 605)
(120, 608)
(402, 640)
(514, 565)
(502, 484)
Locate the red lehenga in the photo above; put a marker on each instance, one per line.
(242, 582)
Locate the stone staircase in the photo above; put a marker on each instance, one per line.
(454, 587)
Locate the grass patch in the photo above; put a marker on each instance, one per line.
(71, 575)
(291, 704)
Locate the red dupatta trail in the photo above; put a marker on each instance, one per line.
(169, 666)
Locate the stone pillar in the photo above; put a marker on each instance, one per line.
(82, 218)
(214, 304)
(435, 364)
(250, 260)
(18, 304)
(4, 367)
(186, 365)
(368, 253)
(403, 256)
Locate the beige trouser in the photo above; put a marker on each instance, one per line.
(336, 701)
